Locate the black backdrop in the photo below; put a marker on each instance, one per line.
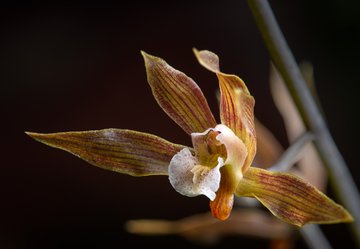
(78, 67)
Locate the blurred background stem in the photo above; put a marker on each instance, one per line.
(314, 237)
(340, 178)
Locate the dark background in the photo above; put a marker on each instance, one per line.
(78, 67)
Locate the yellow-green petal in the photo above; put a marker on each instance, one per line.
(236, 104)
(124, 151)
(290, 198)
(178, 95)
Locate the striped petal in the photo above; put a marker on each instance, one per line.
(178, 95)
(236, 104)
(124, 151)
(290, 198)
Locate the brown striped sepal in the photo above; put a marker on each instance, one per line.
(124, 151)
(178, 95)
(236, 104)
(290, 198)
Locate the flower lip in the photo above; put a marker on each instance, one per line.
(200, 174)
(192, 179)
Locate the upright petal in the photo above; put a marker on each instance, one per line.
(178, 95)
(236, 104)
(124, 151)
(290, 198)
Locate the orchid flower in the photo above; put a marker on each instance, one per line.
(219, 163)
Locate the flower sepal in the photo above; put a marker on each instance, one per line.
(290, 198)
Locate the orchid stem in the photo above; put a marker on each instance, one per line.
(340, 177)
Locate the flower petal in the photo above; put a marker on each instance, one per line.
(191, 179)
(290, 198)
(178, 95)
(124, 151)
(236, 104)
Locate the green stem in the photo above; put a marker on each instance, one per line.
(340, 177)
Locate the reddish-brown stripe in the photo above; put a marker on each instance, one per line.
(197, 99)
(166, 101)
(179, 96)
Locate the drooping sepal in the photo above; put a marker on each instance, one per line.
(124, 151)
(178, 95)
(290, 198)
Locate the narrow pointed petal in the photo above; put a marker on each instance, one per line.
(290, 198)
(178, 95)
(222, 205)
(124, 151)
(236, 104)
